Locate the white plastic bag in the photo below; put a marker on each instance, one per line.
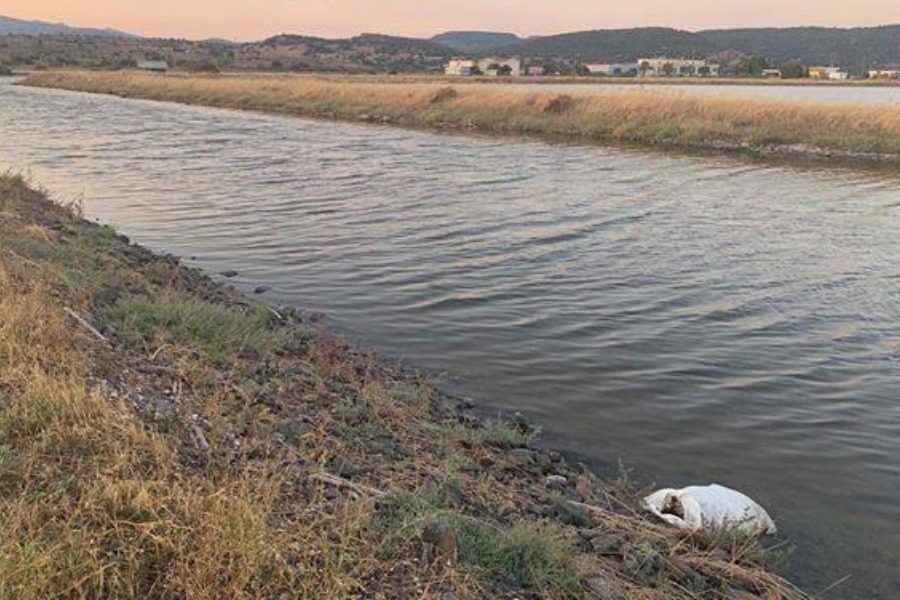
(710, 507)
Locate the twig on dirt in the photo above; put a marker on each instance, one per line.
(80, 320)
(19, 257)
(199, 438)
(588, 508)
(275, 313)
(157, 351)
(340, 482)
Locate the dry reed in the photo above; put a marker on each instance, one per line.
(636, 117)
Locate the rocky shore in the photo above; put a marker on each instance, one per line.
(162, 435)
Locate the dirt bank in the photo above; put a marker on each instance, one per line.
(164, 436)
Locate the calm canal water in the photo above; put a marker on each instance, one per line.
(702, 319)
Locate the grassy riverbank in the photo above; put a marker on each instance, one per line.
(666, 120)
(163, 436)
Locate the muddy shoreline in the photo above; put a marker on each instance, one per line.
(332, 454)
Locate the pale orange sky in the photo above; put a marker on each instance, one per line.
(249, 19)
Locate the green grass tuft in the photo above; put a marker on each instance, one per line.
(172, 318)
(529, 555)
(492, 433)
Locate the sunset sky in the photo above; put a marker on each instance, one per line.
(256, 19)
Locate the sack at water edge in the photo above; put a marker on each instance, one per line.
(711, 507)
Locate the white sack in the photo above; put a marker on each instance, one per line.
(710, 507)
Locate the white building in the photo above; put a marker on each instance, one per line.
(535, 70)
(884, 74)
(460, 66)
(613, 69)
(511, 67)
(831, 73)
(153, 65)
(676, 67)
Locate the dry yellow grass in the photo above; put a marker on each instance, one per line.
(658, 119)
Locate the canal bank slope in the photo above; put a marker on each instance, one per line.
(659, 120)
(164, 436)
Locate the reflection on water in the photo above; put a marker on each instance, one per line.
(703, 319)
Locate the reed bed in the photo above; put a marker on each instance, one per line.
(661, 119)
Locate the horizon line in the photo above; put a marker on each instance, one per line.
(426, 38)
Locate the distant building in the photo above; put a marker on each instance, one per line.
(771, 73)
(676, 67)
(830, 73)
(535, 70)
(511, 67)
(460, 66)
(160, 66)
(614, 69)
(884, 74)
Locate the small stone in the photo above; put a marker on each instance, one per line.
(343, 467)
(601, 587)
(584, 487)
(607, 544)
(556, 482)
(440, 538)
(471, 468)
(465, 404)
(569, 514)
(229, 274)
(522, 456)
(261, 290)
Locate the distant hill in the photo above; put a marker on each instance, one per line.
(34, 44)
(367, 53)
(472, 42)
(858, 47)
(614, 44)
(853, 48)
(10, 26)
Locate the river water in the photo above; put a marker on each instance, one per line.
(701, 319)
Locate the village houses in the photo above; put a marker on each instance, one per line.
(829, 73)
(884, 74)
(159, 66)
(613, 69)
(677, 67)
(510, 67)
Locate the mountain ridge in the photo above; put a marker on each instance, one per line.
(14, 26)
(855, 48)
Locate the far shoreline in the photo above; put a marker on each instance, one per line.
(865, 135)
